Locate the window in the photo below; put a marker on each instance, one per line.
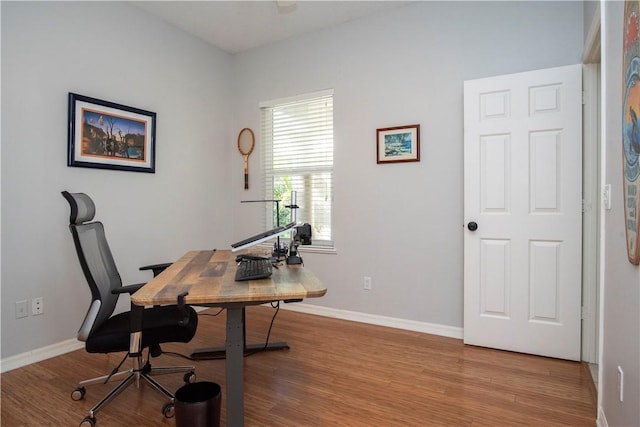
(297, 143)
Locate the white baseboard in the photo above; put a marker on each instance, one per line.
(373, 319)
(602, 420)
(39, 354)
(53, 350)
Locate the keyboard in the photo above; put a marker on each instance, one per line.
(252, 269)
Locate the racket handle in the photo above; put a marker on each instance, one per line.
(246, 181)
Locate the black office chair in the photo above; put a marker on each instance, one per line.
(104, 332)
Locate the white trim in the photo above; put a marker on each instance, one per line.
(316, 249)
(601, 421)
(296, 98)
(603, 180)
(373, 319)
(39, 354)
(67, 346)
(592, 42)
(591, 213)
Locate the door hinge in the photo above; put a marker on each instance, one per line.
(584, 98)
(583, 313)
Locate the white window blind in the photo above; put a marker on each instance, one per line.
(297, 143)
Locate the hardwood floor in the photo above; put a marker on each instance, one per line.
(337, 373)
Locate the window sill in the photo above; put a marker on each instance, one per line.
(318, 249)
(330, 250)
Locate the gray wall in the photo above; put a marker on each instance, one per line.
(401, 224)
(621, 293)
(110, 51)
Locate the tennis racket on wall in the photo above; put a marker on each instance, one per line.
(246, 142)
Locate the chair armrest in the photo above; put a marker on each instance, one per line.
(89, 320)
(129, 289)
(156, 268)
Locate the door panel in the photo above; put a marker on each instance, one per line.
(523, 187)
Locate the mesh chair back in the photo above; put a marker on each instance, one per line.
(96, 260)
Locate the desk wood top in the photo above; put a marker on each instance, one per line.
(208, 276)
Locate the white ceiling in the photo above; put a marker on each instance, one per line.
(236, 26)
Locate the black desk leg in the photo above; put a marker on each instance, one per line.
(210, 353)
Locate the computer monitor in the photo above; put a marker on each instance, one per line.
(262, 237)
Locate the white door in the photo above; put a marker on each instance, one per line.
(523, 191)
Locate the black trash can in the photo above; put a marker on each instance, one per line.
(198, 405)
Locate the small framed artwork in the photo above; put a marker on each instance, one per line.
(399, 144)
(106, 135)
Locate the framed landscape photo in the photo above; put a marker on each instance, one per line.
(106, 135)
(399, 144)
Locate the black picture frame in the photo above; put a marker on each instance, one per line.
(106, 135)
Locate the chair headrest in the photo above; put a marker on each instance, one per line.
(82, 207)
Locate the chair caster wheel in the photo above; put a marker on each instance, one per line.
(189, 377)
(78, 393)
(88, 422)
(169, 410)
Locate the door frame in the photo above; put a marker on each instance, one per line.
(594, 172)
(593, 185)
(591, 209)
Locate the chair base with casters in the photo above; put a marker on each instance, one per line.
(140, 371)
(129, 332)
(111, 336)
(111, 332)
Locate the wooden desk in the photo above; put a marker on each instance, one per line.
(208, 276)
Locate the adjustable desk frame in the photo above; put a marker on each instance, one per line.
(208, 276)
(235, 343)
(212, 353)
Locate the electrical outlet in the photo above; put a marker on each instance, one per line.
(37, 306)
(21, 309)
(367, 283)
